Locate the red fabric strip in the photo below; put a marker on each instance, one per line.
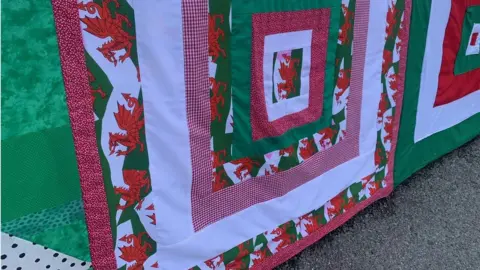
(83, 128)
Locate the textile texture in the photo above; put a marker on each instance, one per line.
(441, 110)
(39, 168)
(161, 115)
(223, 134)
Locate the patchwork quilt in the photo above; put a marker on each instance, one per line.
(231, 134)
(442, 96)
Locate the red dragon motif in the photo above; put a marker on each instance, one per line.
(337, 203)
(91, 79)
(307, 150)
(311, 223)
(131, 122)
(343, 36)
(214, 34)
(152, 216)
(379, 157)
(246, 166)
(343, 82)
(288, 73)
(217, 98)
(151, 207)
(376, 186)
(388, 129)
(391, 20)
(327, 137)
(304, 218)
(349, 205)
(213, 263)
(367, 179)
(382, 107)
(288, 151)
(260, 255)
(283, 237)
(217, 158)
(242, 251)
(135, 180)
(236, 265)
(273, 168)
(136, 251)
(401, 33)
(394, 86)
(105, 26)
(387, 61)
(219, 181)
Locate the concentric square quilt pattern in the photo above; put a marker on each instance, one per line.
(460, 53)
(441, 111)
(219, 129)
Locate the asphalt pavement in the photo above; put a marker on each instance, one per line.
(431, 221)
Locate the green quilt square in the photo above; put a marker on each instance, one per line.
(465, 63)
(241, 43)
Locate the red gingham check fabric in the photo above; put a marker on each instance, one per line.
(195, 40)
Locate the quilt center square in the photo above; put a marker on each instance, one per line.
(286, 69)
(290, 94)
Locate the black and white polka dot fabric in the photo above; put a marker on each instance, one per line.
(18, 254)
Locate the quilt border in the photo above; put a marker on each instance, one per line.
(77, 89)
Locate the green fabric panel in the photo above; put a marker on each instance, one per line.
(410, 156)
(39, 171)
(71, 240)
(243, 145)
(44, 220)
(465, 63)
(62, 228)
(33, 95)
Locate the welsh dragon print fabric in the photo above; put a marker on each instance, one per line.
(229, 134)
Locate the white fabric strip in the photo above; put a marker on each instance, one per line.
(160, 51)
(372, 84)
